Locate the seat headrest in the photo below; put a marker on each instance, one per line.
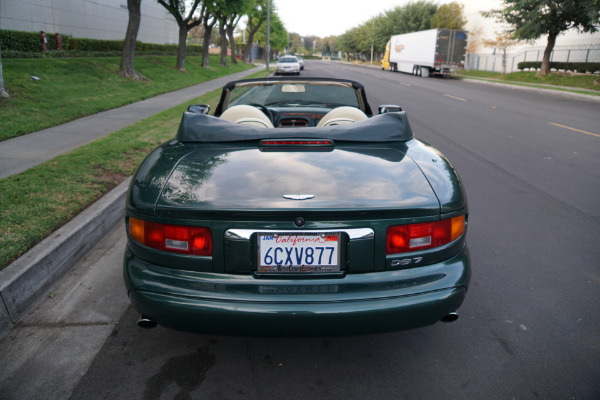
(248, 115)
(343, 115)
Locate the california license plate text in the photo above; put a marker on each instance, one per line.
(298, 253)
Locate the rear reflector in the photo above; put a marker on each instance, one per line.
(173, 238)
(413, 237)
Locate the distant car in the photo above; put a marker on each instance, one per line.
(294, 211)
(287, 65)
(301, 61)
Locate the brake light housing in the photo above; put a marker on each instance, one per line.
(172, 238)
(424, 236)
(294, 144)
(297, 142)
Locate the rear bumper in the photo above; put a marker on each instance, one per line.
(446, 69)
(287, 71)
(214, 303)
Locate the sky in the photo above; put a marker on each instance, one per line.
(324, 18)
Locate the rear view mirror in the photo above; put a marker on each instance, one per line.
(287, 88)
(386, 108)
(199, 108)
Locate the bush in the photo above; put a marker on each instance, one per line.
(20, 41)
(78, 44)
(565, 66)
(17, 44)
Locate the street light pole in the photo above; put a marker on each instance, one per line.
(268, 32)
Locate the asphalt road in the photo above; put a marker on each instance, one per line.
(529, 328)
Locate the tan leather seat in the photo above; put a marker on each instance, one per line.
(342, 115)
(247, 115)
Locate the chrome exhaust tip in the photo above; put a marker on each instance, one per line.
(146, 323)
(451, 317)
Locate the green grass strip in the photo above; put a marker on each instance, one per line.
(70, 88)
(575, 83)
(40, 200)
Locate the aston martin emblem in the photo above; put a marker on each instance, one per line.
(298, 196)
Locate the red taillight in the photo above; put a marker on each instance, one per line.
(428, 235)
(173, 238)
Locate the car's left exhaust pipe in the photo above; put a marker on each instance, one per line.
(146, 323)
(451, 317)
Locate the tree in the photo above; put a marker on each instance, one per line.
(502, 41)
(295, 43)
(474, 41)
(196, 35)
(3, 92)
(224, 43)
(127, 56)
(329, 45)
(412, 17)
(278, 36)
(348, 42)
(208, 22)
(187, 16)
(332, 43)
(256, 18)
(530, 19)
(229, 14)
(237, 9)
(449, 16)
(313, 43)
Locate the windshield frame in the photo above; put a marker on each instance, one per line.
(226, 93)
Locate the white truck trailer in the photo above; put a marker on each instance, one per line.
(424, 53)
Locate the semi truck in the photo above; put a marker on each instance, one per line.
(424, 53)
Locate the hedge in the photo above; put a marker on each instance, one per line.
(24, 41)
(565, 66)
(18, 44)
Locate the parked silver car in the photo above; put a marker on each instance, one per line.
(288, 65)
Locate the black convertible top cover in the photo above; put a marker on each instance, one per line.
(389, 127)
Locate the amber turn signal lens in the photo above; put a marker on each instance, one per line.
(458, 227)
(136, 229)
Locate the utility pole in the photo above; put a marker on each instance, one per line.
(268, 33)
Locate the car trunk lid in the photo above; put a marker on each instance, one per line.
(357, 177)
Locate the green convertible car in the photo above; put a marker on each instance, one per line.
(294, 211)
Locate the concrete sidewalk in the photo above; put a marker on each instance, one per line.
(23, 152)
(45, 355)
(30, 276)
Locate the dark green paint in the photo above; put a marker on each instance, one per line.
(242, 305)
(239, 185)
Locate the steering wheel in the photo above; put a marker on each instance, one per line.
(269, 113)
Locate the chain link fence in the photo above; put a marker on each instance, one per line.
(493, 62)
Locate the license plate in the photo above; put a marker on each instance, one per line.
(299, 252)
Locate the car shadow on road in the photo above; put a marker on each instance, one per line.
(162, 363)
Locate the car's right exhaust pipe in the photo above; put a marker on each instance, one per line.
(146, 323)
(451, 317)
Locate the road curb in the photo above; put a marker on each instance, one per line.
(26, 279)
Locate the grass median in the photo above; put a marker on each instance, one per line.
(40, 200)
(70, 88)
(577, 83)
